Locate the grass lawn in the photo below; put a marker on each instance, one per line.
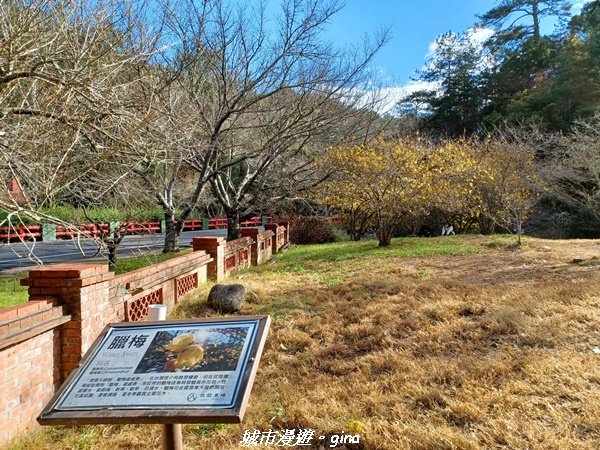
(441, 343)
(134, 263)
(12, 293)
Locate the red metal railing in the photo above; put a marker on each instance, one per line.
(23, 233)
(34, 232)
(192, 225)
(88, 230)
(253, 222)
(217, 223)
(93, 230)
(256, 221)
(141, 228)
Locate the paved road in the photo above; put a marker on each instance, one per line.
(16, 257)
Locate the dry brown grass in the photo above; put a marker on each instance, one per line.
(487, 350)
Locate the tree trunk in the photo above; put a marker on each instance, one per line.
(172, 232)
(385, 238)
(385, 229)
(384, 234)
(353, 230)
(234, 229)
(112, 244)
(486, 225)
(519, 230)
(535, 13)
(112, 255)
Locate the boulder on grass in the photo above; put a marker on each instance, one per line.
(227, 298)
(251, 296)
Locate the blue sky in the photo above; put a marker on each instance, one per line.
(414, 26)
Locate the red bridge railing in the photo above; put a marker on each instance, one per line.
(35, 232)
(23, 233)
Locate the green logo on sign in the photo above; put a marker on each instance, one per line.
(191, 397)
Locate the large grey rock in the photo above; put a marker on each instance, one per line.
(227, 298)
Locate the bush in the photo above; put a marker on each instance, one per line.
(74, 215)
(341, 235)
(311, 230)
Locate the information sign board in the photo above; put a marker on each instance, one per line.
(193, 371)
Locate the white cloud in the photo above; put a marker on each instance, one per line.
(478, 35)
(390, 96)
(578, 6)
(383, 100)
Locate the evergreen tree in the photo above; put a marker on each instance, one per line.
(569, 87)
(524, 19)
(525, 58)
(454, 103)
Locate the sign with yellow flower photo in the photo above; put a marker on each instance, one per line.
(179, 365)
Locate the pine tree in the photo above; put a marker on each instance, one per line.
(454, 70)
(525, 58)
(523, 18)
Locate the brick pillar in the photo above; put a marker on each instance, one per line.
(215, 247)
(80, 288)
(268, 237)
(286, 225)
(254, 253)
(274, 240)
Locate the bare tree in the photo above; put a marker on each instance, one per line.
(76, 84)
(68, 107)
(73, 91)
(575, 172)
(260, 93)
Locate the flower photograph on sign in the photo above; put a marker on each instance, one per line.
(215, 349)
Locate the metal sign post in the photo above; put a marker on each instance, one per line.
(164, 372)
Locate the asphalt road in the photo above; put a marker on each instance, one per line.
(17, 256)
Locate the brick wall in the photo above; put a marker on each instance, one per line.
(278, 241)
(286, 232)
(228, 256)
(30, 343)
(262, 247)
(255, 247)
(69, 304)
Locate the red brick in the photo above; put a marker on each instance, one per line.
(41, 300)
(71, 357)
(72, 325)
(9, 386)
(51, 282)
(69, 270)
(29, 321)
(70, 332)
(11, 404)
(72, 349)
(47, 273)
(8, 313)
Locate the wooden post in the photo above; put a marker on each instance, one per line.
(172, 435)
